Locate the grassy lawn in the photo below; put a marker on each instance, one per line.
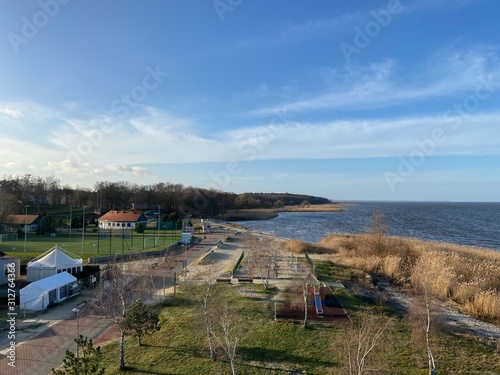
(92, 246)
(269, 347)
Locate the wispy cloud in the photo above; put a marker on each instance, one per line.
(380, 85)
(477, 135)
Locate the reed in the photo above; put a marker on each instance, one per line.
(466, 275)
(301, 247)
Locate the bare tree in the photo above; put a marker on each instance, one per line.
(422, 319)
(121, 285)
(264, 256)
(359, 347)
(377, 233)
(206, 292)
(226, 331)
(8, 206)
(300, 291)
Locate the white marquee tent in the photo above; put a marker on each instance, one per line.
(50, 290)
(52, 262)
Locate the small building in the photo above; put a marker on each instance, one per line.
(121, 220)
(48, 291)
(9, 266)
(54, 261)
(27, 223)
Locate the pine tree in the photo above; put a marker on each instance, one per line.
(140, 320)
(87, 363)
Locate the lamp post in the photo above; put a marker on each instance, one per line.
(110, 236)
(83, 225)
(77, 312)
(70, 219)
(25, 229)
(185, 259)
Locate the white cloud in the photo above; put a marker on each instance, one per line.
(127, 169)
(15, 113)
(13, 165)
(380, 85)
(472, 134)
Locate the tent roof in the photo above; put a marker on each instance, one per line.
(52, 282)
(55, 258)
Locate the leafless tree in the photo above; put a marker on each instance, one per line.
(300, 291)
(226, 332)
(376, 233)
(424, 320)
(8, 206)
(264, 257)
(359, 347)
(206, 292)
(121, 285)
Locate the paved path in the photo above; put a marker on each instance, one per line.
(41, 342)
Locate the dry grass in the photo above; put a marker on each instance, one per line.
(466, 275)
(301, 247)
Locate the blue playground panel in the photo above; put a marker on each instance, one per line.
(317, 300)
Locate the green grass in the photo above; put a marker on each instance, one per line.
(93, 246)
(269, 347)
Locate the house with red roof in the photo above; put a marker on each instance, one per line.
(128, 220)
(27, 223)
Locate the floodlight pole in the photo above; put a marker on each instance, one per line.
(159, 223)
(83, 225)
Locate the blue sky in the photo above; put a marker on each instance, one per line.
(372, 100)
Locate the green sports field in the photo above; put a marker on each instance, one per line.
(92, 244)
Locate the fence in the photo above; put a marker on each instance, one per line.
(119, 257)
(8, 237)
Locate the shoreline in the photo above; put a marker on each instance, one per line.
(255, 214)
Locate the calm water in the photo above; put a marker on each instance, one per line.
(476, 224)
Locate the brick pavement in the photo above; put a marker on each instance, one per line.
(38, 355)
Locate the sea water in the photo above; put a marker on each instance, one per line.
(473, 224)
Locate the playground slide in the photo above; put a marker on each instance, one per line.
(317, 300)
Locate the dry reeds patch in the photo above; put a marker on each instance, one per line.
(467, 275)
(485, 304)
(301, 247)
(434, 274)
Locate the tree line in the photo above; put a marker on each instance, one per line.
(18, 192)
